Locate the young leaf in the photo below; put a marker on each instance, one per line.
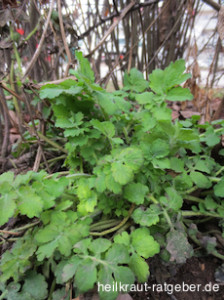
(60, 294)
(11, 266)
(12, 292)
(36, 286)
(105, 277)
(200, 180)
(147, 217)
(140, 267)
(187, 135)
(156, 81)
(174, 200)
(55, 91)
(219, 188)
(7, 207)
(147, 120)
(160, 148)
(135, 192)
(143, 243)
(162, 81)
(121, 173)
(210, 204)
(106, 103)
(99, 245)
(176, 164)
(179, 94)
(113, 185)
(86, 275)
(203, 166)
(70, 268)
(134, 81)
(123, 238)
(124, 275)
(107, 128)
(173, 74)
(7, 177)
(84, 66)
(118, 254)
(145, 98)
(132, 157)
(29, 202)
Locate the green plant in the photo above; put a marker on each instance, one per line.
(132, 185)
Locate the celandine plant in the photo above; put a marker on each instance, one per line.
(137, 183)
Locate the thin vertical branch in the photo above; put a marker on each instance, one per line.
(143, 43)
(38, 50)
(4, 149)
(64, 38)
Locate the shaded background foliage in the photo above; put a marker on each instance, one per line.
(39, 39)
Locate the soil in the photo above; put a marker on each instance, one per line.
(196, 271)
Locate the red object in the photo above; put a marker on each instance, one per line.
(121, 56)
(20, 31)
(49, 58)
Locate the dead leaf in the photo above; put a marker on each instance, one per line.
(6, 43)
(5, 16)
(13, 119)
(187, 114)
(175, 115)
(178, 246)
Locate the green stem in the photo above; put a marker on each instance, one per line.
(68, 175)
(151, 197)
(193, 198)
(214, 179)
(32, 32)
(26, 226)
(123, 228)
(15, 101)
(3, 295)
(116, 227)
(16, 52)
(104, 225)
(52, 289)
(219, 171)
(216, 130)
(187, 213)
(126, 135)
(81, 164)
(18, 59)
(43, 137)
(218, 255)
(191, 190)
(56, 158)
(59, 174)
(168, 219)
(214, 253)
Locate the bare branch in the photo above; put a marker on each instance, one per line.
(112, 27)
(116, 14)
(38, 50)
(64, 37)
(213, 4)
